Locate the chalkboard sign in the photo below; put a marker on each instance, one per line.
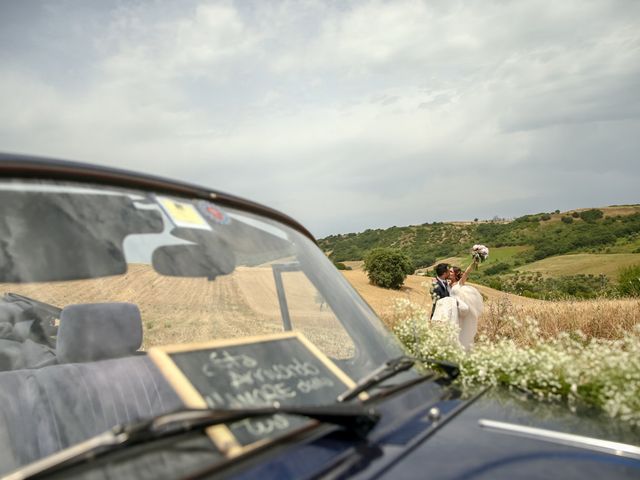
(248, 372)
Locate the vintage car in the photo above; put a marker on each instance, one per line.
(155, 329)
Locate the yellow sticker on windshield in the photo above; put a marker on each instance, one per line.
(183, 214)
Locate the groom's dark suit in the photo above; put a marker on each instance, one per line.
(441, 290)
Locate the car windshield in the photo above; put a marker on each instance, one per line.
(93, 277)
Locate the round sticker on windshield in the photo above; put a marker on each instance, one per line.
(213, 213)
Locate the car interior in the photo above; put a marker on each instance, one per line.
(85, 357)
(97, 374)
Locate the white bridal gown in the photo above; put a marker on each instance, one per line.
(462, 308)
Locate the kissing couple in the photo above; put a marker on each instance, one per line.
(456, 302)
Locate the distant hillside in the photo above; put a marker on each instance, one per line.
(583, 263)
(521, 249)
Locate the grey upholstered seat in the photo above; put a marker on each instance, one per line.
(51, 408)
(97, 331)
(82, 400)
(47, 409)
(17, 430)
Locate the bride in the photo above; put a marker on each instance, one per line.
(462, 307)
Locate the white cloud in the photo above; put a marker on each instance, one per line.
(342, 113)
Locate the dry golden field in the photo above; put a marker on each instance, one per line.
(182, 310)
(504, 313)
(179, 310)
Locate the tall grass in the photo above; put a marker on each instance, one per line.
(576, 352)
(602, 318)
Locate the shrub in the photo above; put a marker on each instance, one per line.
(629, 281)
(544, 217)
(591, 215)
(567, 219)
(387, 267)
(575, 214)
(341, 266)
(555, 288)
(497, 268)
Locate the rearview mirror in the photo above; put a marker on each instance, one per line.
(193, 260)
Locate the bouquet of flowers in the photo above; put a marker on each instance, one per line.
(479, 253)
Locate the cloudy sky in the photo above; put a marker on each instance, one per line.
(344, 115)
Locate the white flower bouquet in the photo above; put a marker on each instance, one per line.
(479, 253)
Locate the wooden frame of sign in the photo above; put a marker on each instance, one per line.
(221, 435)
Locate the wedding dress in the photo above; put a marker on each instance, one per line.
(446, 311)
(470, 306)
(462, 309)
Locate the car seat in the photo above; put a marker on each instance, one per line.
(99, 382)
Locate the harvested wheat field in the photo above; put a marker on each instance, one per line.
(415, 289)
(181, 310)
(505, 313)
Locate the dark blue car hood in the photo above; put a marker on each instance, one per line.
(459, 448)
(427, 431)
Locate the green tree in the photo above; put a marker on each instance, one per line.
(629, 281)
(591, 215)
(387, 267)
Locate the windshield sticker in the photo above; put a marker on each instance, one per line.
(253, 372)
(183, 214)
(213, 213)
(265, 227)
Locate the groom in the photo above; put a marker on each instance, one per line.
(441, 287)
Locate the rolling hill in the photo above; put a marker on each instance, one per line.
(531, 255)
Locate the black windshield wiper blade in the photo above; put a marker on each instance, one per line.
(394, 366)
(387, 370)
(357, 419)
(450, 369)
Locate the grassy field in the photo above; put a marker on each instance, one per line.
(616, 210)
(497, 255)
(505, 313)
(602, 318)
(415, 289)
(178, 310)
(583, 263)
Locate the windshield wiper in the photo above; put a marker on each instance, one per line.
(387, 370)
(450, 369)
(394, 366)
(355, 418)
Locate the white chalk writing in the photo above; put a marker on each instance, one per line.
(276, 372)
(263, 426)
(310, 384)
(227, 361)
